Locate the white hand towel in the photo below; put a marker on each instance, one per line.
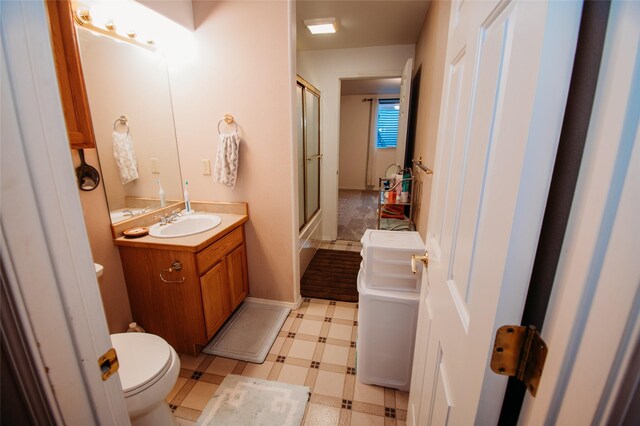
(125, 156)
(226, 168)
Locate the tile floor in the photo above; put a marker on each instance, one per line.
(315, 348)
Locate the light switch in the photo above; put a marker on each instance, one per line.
(154, 166)
(206, 167)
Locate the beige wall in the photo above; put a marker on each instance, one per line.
(430, 53)
(112, 286)
(243, 68)
(354, 135)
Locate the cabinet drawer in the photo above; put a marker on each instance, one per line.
(212, 254)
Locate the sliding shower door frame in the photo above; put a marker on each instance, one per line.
(307, 88)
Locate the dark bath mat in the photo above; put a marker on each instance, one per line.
(332, 274)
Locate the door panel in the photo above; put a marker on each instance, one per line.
(313, 187)
(312, 121)
(237, 270)
(215, 300)
(442, 400)
(486, 111)
(452, 114)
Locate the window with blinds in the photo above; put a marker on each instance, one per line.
(388, 115)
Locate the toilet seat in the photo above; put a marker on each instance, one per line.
(144, 358)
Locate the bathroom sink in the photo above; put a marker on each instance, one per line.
(185, 225)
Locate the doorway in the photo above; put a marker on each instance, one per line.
(367, 146)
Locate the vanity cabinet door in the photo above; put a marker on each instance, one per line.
(237, 270)
(164, 307)
(215, 298)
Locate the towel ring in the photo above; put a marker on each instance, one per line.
(121, 120)
(228, 118)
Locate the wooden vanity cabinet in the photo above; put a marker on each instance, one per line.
(189, 309)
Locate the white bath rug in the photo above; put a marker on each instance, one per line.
(247, 401)
(250, 332)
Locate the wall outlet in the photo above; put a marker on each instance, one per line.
(154, 166)
(206, 167)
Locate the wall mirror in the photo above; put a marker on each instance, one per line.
(131, 110)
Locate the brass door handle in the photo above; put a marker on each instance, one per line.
(424, 259)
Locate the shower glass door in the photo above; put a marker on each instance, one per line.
(312, 152)
(309, 153)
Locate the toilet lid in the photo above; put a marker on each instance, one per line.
(143, 358)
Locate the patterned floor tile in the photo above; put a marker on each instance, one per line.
(315, 348)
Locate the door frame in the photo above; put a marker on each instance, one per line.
(57, 303)
(592, 325)
(584, 78)
(341, 78)
(332, 211)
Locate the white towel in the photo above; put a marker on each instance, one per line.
(125, 156)
(226, 167)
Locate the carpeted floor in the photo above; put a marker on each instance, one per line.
(332, 274)
(356, 213)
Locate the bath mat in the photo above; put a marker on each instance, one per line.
(250, 332)
(247, 401)
(332, 274)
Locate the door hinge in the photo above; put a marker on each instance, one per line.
(108, 363)
(520, 352)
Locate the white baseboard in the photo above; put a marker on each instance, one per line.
(292, 305)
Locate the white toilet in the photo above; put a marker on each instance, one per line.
(149, 368)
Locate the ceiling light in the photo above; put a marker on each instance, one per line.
(321, 26)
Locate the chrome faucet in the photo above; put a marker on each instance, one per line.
(127, 212)
(169, 217)
(173, 216)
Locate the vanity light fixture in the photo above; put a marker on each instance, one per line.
(321, 25)
(82, 17)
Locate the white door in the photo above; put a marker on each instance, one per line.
(47, 270)
(593, 322)
(508, 67)
(403, 120)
